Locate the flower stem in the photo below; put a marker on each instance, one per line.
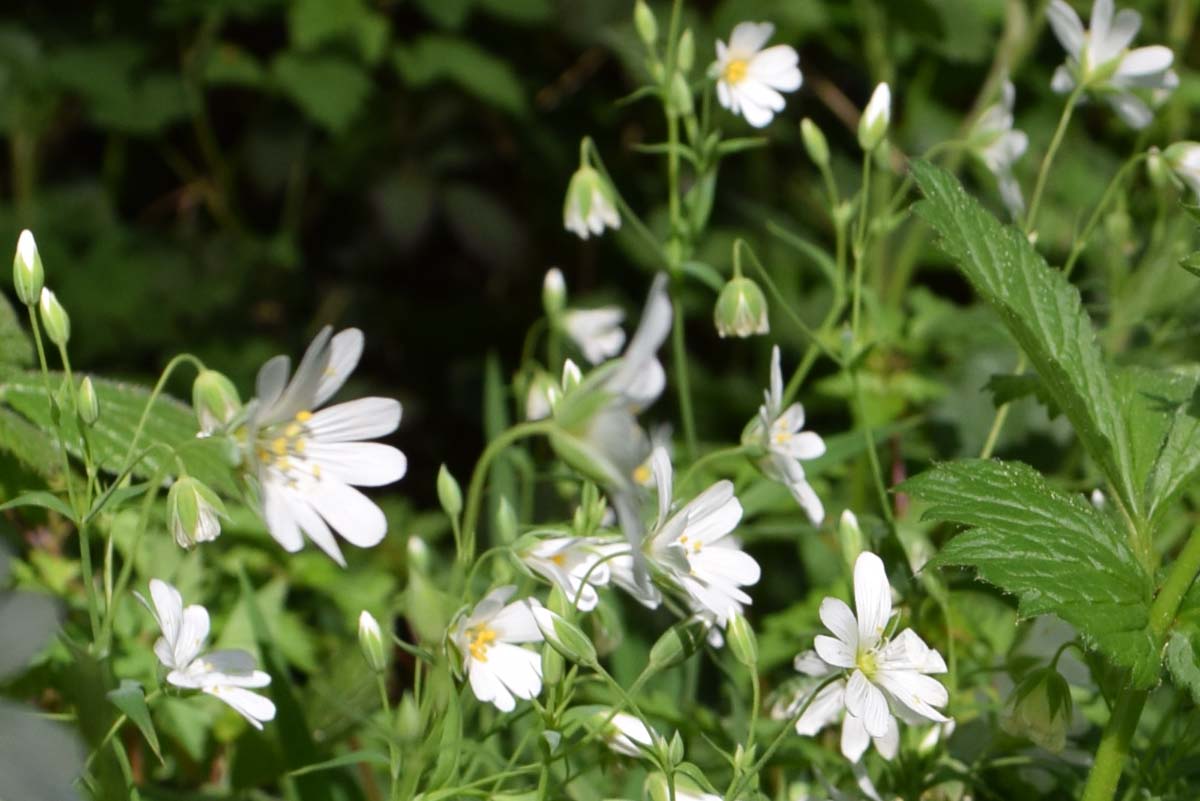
(711, 456)
(466, 546)
(680, 358)
(158, 388)
(1044, 171)
(860, 244)
(1122, 725)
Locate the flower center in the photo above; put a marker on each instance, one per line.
(735, 71)
(867, 663)
(278, 445)
(641, 474)
(559, 559)
(479, 639)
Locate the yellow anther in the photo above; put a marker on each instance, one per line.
(303, 417)
(280, 446)
(480, 639)
(264, 455)
(683, 539)
(283, 464)
(736, 70)
(696, 546)
(558, 559)
(293, 430)
(641, 474)
(316, 471)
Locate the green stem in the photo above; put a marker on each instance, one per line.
(860, 238)
(813, 337)
(1044, 171)
(711, 456)
(1122, 725)
(158, 388)
(872, 456)
(466, 551)
(680, 358)
(1081, 242)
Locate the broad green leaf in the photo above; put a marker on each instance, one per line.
(29, 444)
(436, 57)
(1057, 553)
(45, 500)
(1043, 312)
(1172, 408)
(1007, 388)
(1182, 663)
(330, 90)
(130, 699)
(15, 348)
(169, 423)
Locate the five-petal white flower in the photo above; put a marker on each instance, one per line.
(309, 462)
(886, 677)
(749, 78)
(499, 669)
(780, 432)
(573, 565)
(829, 707)
(693, 546)
(995, 142)
(1100, 60)
(228, 675)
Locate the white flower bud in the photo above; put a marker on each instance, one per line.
(1184, 160)
(564, 637)
(54, 318)
(876, 117)
(215, 399)
(194, 512)
(850, 537)
(28, 275)
(370, 639)
(554, 293)
(89, 404)
(590, 206)
(742, 642)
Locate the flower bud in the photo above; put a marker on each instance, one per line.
(542, 396)
(741, 309)
(370, 639)
(679, 96)
(28, 275)
(685, 51)
(1184, 160)
(645, 23)
(506, 521)
(677, 643)
(194, 512)
(408, 719)
(418, 555)
(565, 637)
(850, 537)
(553, 667)
(215, 399)
(1040, 709)
(554, 293)
(54, 318)
(572, 376)
(742, 642)
(873, 125)
(674, 753)
(590, 206)
(814, 142)
(89, 404)
(449, 494)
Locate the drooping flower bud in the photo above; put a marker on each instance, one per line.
(1040, 709)
(89, 404)
(876, 117)
(54, 318)
(814, 142)
(678, 643)
(194, 511)
(645, 23)
(542, 396)
(215, 399)
(370, 639)
(565, 637)
(590, 206)
(28, 275)
(741, 309)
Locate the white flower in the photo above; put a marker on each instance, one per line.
(628, 735)
(887, 677)
(829, 707)
(309, 462)
(875, 119)
(623, 572)
(590, 204)
(573, 565)
(780, 432)
(749, 78)
(694, 548)
(499, 669)
(597, 332)
(1184, 160)
(226, 675)
(1100, 59)
(998, 145)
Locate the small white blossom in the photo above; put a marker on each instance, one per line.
(886, 677)
(780, 432)
(1100, 60)
(628, 735)
(489, 640)
(228, 675)
(693, 546)
(590, 206)
(573, 565)
(309, 462)
(995, 142)
(597, 332)
(875, 119)
(829, 708)
(749, 78)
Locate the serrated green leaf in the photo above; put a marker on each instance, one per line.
(1182, 663)
(130, 699)
(1057, 553)
(1008, 388)
(1042, 311)
(29, 444)
(170, 423)
(15, 348)
(1178, 459)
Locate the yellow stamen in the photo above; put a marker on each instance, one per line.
(280, 446)
(480, 639)
(316, 471)
(867, 663)
(293, 430)
(558, 559)
(303, 417)
(736, 70)
(641, 474)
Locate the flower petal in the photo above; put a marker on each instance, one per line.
(834, 651)
(349, 512)
(854, 738)
(866, 701)
(518, 668)
(749, 37)
(1067, 26)
(824, 709)
(362, 419)
(279, 518)
(1146, 61)
(838, 618)
(253, 707)
(345, 350)
(486, 685)
(362, 464)
(872, 598)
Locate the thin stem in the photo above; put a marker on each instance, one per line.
(813, 337)
(1044, 171)
(158, 388)
(872, 456)
(520, 431)
(1081, 242)
(860, 237)
(989, 444)
(680, 358)
(711, 456)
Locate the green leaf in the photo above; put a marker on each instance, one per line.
(15, 348)
(1177, 410)
(29, 444)
(169, 423)
(330, 90)
(1007, 388)
(1057, 553)
(1042, 311)
(313, 23)
(43, 499)
(1183, 664)
(437, 57)
(130, 699)
(354, 758)
(1191, 263)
